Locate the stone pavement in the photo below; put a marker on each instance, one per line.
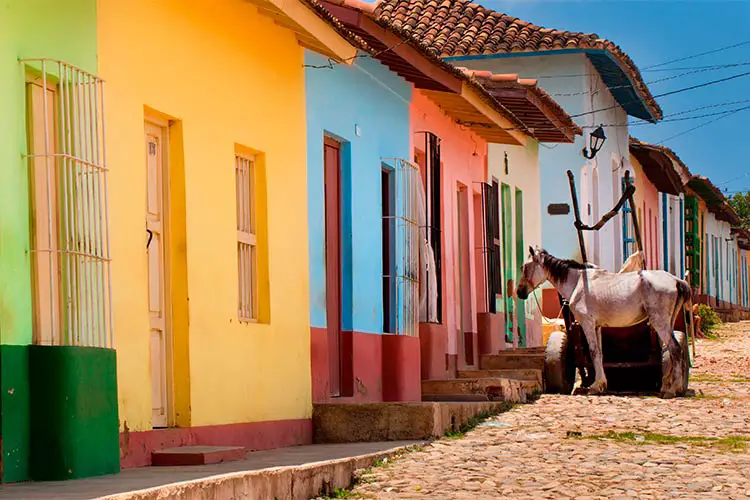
(598, 447)
(147, 477)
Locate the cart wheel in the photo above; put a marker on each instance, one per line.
(559, 370)
(681, 339)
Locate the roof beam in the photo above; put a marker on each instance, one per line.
(472, 97)
(396, 45)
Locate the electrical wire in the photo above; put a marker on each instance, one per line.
(664, 94)
(727, 115)
(714, 51)
(660, 80)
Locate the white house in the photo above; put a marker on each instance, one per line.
(593, 80)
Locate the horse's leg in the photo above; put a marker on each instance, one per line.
(660, 317)
(593, 338)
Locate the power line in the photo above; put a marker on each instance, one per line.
(664, 94)
(659, 80)
(721, 49)
(727, 115)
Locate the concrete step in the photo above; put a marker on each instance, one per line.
(529, 374)
(455, 398)
(197, 455)
(494, 388)
(370, 422)
(512, 360)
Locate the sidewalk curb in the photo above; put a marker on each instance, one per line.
(297, 482)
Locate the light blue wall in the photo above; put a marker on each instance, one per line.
(369, 96)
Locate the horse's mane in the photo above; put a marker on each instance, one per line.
(558, 268)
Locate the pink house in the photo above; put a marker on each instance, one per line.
(450, 341)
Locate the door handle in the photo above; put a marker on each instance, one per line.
(150, 237)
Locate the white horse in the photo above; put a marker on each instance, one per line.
(600, 298)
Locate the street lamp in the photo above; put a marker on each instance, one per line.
(597, 139)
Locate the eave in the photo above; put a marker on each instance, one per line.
(454, 93)
(609, 68)
(313, 31)
(392, 51)
(659, 170)
(715, 200)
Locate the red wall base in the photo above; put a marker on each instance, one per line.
(377, 367)
(491, 338)
(401, 368)
(136, 447)
(433, 339)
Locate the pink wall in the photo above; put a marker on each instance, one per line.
(647, 199)
(463, 156)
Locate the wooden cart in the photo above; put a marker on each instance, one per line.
(633, 357)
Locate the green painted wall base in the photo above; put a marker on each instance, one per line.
(14, 412)
(74, 426)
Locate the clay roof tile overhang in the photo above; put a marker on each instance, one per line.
(743, 237)
(459, 95)
(714, 198)
(543, 117)
(315, 28)
(460, 30)
(662, 166)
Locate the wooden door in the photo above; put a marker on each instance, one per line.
(520, 257)
(156, 238)
(387, 195)
(464, 311)
(332, 162)
(508, 274)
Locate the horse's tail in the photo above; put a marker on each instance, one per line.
(684, 292)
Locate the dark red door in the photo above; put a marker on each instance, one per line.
(333, 259)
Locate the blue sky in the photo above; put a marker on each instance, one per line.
(656, 31)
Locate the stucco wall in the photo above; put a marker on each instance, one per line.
(375, 101)
(576, 94)
(29, 31)
(719, 231)
(228, 76)
(646, 199)
(463, 156)
(523, 174)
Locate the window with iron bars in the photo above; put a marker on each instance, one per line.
(433, 204)
(247, 249)
(70, 263)
(493, 273)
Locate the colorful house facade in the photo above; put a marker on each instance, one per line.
(719, 246)
(212, 305)
(189, 323)
(363, 240)
(609, 89)
(452, 119)
(660, 179)
(513, 214)
(58, 410)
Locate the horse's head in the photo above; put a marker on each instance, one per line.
(532, 274)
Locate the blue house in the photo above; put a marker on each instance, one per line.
(360, 188)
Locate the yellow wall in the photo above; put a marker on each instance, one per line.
(229, 76)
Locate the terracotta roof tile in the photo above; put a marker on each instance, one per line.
(465, 28)
(494, 83)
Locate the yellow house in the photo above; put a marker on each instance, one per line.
(205, 137)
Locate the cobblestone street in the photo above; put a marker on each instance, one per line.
(598, 447)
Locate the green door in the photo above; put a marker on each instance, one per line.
(507, 260)
(520, 309)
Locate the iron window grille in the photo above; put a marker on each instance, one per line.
(71, 274)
